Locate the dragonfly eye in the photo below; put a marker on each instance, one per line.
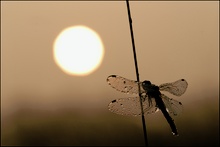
(146, 83)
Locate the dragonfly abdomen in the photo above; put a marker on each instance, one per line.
(162, 107)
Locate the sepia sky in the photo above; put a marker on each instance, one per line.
(42, 105)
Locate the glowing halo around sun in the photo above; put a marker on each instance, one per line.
(78, 50)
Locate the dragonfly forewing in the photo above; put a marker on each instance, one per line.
(131, 106)
(124, 85)
(176, 88)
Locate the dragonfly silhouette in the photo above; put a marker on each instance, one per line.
(152, 99)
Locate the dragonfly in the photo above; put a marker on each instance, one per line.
(152, 99)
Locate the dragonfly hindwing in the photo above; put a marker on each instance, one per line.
(173, 107)
(131, 106)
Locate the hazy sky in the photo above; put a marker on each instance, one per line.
(173, 40)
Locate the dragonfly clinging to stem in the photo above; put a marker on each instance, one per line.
(152, 99)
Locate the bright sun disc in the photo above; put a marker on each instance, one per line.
(78, 50)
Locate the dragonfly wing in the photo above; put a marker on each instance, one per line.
(150, 106)
(131, 106)
(174, 107)
(123, 85)
(176, 88)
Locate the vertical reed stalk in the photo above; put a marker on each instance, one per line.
(137, 73)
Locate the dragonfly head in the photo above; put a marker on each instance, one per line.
(149, 87)
(146, 85)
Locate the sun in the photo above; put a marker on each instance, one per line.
(78, 50)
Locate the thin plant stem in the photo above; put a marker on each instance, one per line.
(137, 73)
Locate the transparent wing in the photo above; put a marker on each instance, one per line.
(123, 85)
(173, 107)
(176, 88)
(131, 106)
